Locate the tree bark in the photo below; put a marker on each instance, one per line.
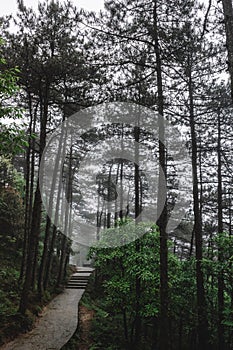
(109, 197)
(201, 300)
(221, 339)
(27, 171)
(32, 245)
(228, 19)
(137, 243)
(162, 219)
(33, 239)
(63, 258)
(46, 249)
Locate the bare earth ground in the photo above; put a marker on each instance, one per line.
(57, 324)
(85, 318)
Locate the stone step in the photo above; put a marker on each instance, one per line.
(79, 280)
(84, 271)
(75, 287)
(83, 286)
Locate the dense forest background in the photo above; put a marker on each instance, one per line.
(165, 291)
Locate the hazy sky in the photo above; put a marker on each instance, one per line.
(10, 6)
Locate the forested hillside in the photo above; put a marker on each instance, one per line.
(116, 138)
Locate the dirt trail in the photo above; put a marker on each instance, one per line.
(55, 327)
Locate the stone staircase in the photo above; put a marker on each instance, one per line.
(79, 280)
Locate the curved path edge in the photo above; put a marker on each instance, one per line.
(55, 327)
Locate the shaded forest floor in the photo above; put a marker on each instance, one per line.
(55, 326)
(85, 319)
(82, 338)
(13, 323)
(98, 327)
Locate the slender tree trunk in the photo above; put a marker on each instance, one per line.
(230, 212)
(44, 257)
(201, 301)
(109, 197)
(121, 175)
(162, 220)
(44, 119)
(116, 207)
(33, 238)
(228, 19)
(191, 244)
(26, 200)
(26, 233)
(137, 243)
(121, 190)
(57, 213)
(47, 239)
(98, 217)
(63, 258)
(36, 212)
(221, 339)
(67, 259)
(29, 189)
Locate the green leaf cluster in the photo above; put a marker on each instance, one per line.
(12, 136)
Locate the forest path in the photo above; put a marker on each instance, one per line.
(56, 325)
